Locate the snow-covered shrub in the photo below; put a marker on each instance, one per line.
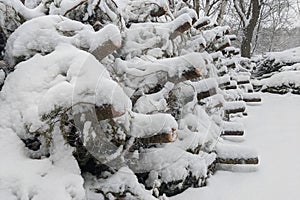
(279, 72)
(43, 34)
(274, 61)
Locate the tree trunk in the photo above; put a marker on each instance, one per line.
(171, 3)
(206, 8)
(196, 6)
(221, 12)
(2, 43)
(249, 29)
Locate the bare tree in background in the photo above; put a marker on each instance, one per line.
(249, 13)
(196, 5)
(277, 17)
(209, 8)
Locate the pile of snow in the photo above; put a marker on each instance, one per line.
(154, 102)
(277, 61)
(145, 125)
(282, 82)
(232, 126)
(142, 37)
(123, 181)
(56, 177)
(60, 79)
(285, 57)
(37, 86)
(279, 72)
(285, 78)
(43, 34)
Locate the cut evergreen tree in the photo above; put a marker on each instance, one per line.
(141, 94)
(278, 72)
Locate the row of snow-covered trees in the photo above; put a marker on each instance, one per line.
(249, 18)
(141, 93)
(255, 21)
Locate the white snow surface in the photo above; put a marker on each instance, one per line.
(273, 130)
(57, 177)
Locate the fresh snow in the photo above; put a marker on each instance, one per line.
(123, 180)
(234, 105)
(287, 56)
(272, 128)
(234, 151)
(148, 125)
(36, 87)
(2, 77)
(286, 78)
(232, 126)
(44, 34)
(56, 177)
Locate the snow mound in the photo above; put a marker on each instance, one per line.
(277, 61)
(40, 85)
(282, 82)
(62, 78)
(279, 72)
(43, 34)
(123, 181)
(287, 56)
(286, 78)
(25, 178)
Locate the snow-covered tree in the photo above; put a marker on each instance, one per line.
(278, 72)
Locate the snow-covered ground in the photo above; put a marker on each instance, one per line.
(273, 128)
